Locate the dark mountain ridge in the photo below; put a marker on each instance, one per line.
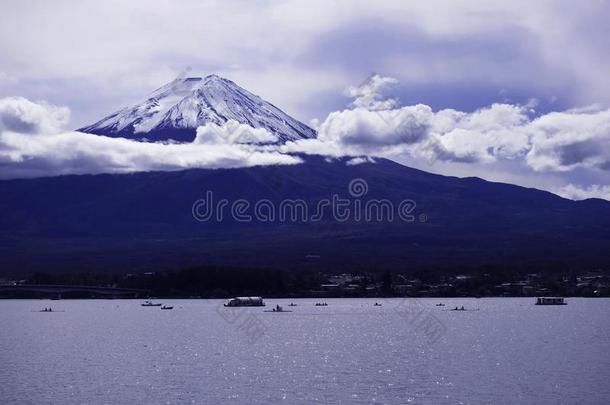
(144, 221)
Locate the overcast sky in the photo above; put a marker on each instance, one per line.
(551, 56)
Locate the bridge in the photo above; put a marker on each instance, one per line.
(57, 291)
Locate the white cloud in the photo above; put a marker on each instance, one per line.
(482, 136)
(21, 115)
(232, 132)
(369, 94)
(581, 193)
(364, 127)
(359, 160)
(563, 141)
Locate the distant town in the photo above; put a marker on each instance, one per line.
(220, 282)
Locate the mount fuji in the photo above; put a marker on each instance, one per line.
(175, 110)
(144, 221)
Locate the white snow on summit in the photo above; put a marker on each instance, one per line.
(175, 110)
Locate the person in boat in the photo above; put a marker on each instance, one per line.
(462, 309)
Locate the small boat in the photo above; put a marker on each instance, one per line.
(167, 307)
(321, 304)
(550, 301)
(149, 303)
(277, 309)
(292, 304)
(440, 304)
(377, 304)
(462, 309)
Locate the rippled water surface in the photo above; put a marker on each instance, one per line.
(405, 351)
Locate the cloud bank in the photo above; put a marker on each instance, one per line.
(33, 145)
(551, 143)
(18, 114)
(557, 141)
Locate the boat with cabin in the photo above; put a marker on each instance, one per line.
(550, 301)
(245, 302)
(149, 303)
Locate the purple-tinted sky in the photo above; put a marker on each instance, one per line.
(95, 57)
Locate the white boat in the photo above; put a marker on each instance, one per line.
(245, 302)
(149, 303)
(550, 301)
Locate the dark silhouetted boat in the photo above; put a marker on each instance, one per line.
(277, 309)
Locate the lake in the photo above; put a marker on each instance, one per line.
(502, 351)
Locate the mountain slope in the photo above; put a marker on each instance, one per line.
(143, 221)
(175, 110)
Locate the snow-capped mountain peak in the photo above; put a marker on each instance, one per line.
(175, 110)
